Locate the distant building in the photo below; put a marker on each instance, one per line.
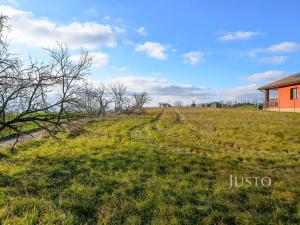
(164, 105)
(215, 105)
(202, 105)
(193, 104)
(210, 105)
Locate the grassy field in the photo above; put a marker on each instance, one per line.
(166, 167)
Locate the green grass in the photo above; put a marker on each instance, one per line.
(169, 167)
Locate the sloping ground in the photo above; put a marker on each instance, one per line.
(34, 132)
(9, 142)
(168, 167)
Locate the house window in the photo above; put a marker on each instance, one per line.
(294, 93)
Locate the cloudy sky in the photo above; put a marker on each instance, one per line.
(175, 50)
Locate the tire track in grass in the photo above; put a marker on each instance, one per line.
(177, 134)
(188, 125)
(199, 176)
(178, 179)
(138, 133)
(178, 116)
(199, 170)
(165, 131)
(207, 175)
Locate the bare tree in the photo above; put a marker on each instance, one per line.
(50, 94)
(140, 99)
(67, 75)
(3, 25)
(118, 96)
(95, 100)
(103, 99)
(87, 101)
(43, 94)
(7, 63)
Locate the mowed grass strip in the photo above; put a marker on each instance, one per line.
(166, 167)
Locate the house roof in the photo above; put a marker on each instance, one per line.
(294, 79)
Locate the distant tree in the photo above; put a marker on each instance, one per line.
(117, 92)
(88, 98)
(193, 104)
(95, 99)
(139, 100)
(102, 98)
(3, 25)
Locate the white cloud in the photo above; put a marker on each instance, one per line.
(153, 49)
(139, 83)
(163, 89)
(142, 31)
(284, 47)
(248, 92)
(268, 75)
(193, 57)
(239, 35)
(99, 59)
(42, 32)
(119, 30)
(274, 60)
(106, 17)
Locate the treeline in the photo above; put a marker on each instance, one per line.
(51, 93)
(96, 99)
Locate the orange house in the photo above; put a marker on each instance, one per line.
(287, 94)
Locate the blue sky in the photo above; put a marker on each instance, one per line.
(176, 50)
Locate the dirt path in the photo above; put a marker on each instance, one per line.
(26, 138)
(22, 140)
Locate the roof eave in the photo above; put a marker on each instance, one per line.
(276, 87)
